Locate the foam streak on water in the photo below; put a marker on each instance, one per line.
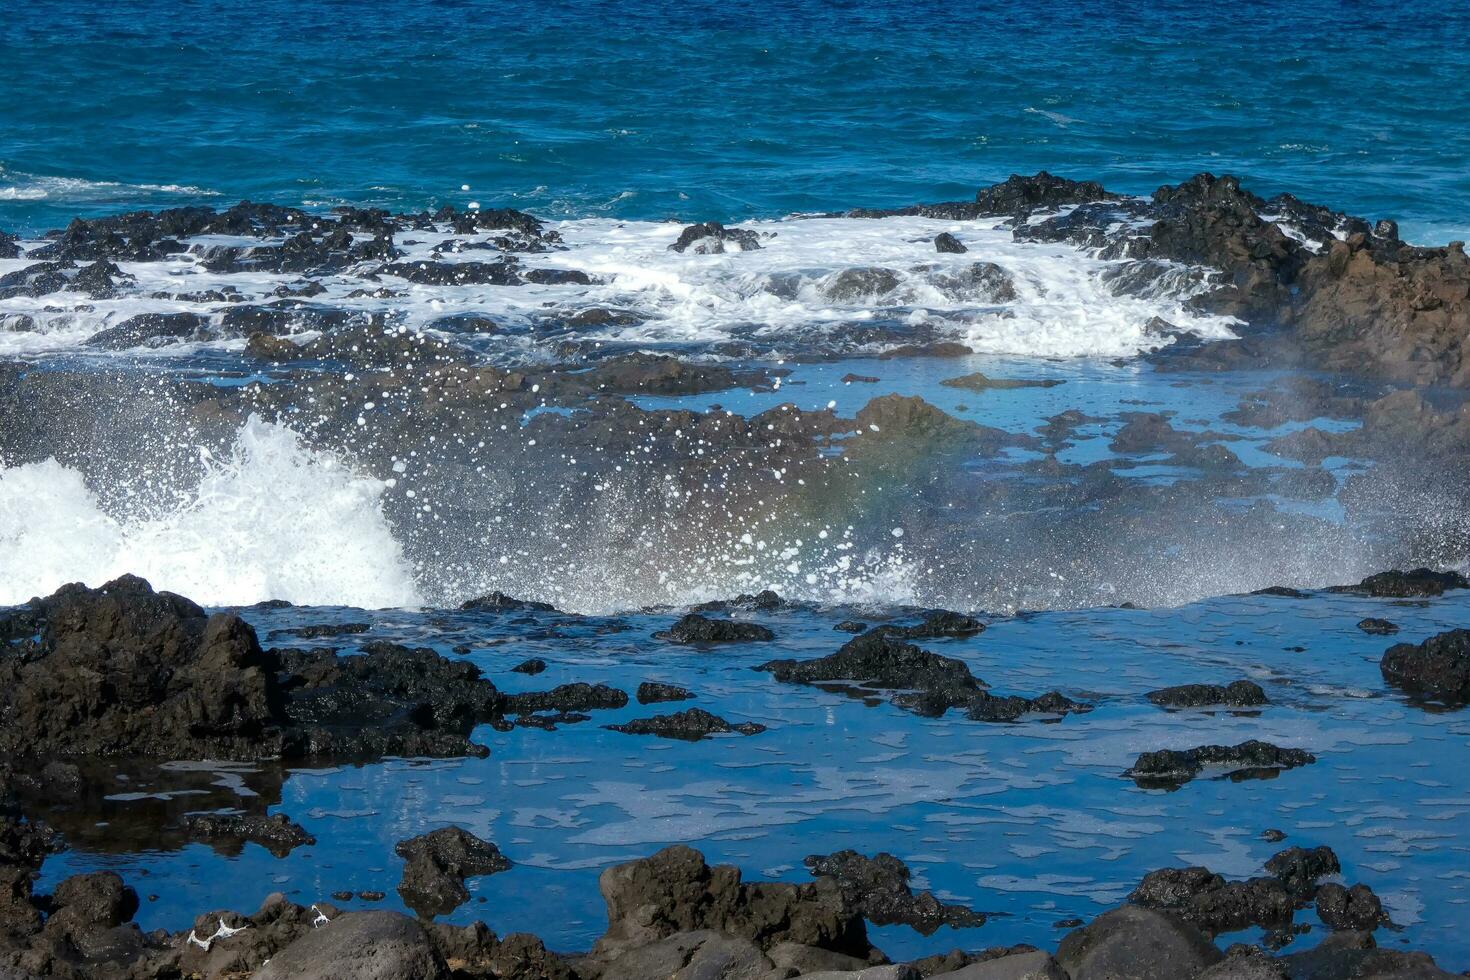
(271, 521)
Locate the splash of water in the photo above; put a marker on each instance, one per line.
(272, 520)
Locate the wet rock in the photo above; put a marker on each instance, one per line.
(848, 379)
(151, 672)
(600, 317)
(280, 317)
(878, 887)
(269, 347)
(1349, 908)
(1281, 591)
(277, 833)
(505, 272)
(985, 281)
(689, 725)
(100, 280)
(944, 348)
(1377, 627)
(9, 246)
(1252, 759)
(652, 692)
(858, 285)
(25, 843)
(697, 629)
(1137, 943)
(1273, 836)
(1236, 694)
(850, 626)
(1214, 904)
(437, 864)
(979, 382)
(1419, 583)
(148, 329)
(985, 706)
(533, 666)
(711, 238)
(37, 279)
(500, 602)
(877, 660)
(764, 601)
(902, 427)
(305, 252)
(1299, 869)
(1385, 307)
(387, 700)
(359, 946)
(1019, 195)
(1437, 669)
(560, 277)
(578, 696)
(462, 323)
(946, 243)
(317, 631)
(675, 891)
(936, 624)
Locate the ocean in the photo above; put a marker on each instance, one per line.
(342, 425)
(724, 110)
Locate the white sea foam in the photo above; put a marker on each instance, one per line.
(272, 521)
(16, 185)
(782, 293)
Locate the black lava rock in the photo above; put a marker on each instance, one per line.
(695, 629)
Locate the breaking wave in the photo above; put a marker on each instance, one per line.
(272, 520)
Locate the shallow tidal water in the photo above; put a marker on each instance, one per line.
(1032, 822)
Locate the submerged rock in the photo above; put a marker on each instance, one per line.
(878, 886)
(689, 725)
(697, 629)
(1174, 767)
(533, 666)
(1377, 627)
(437, 864)
(1437, 669)
(980, 382)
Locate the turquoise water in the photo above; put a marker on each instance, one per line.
(724, 109)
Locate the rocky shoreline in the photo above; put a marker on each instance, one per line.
(1315, 286)
(125, 673)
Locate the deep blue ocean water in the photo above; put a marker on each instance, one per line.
(724, 109)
